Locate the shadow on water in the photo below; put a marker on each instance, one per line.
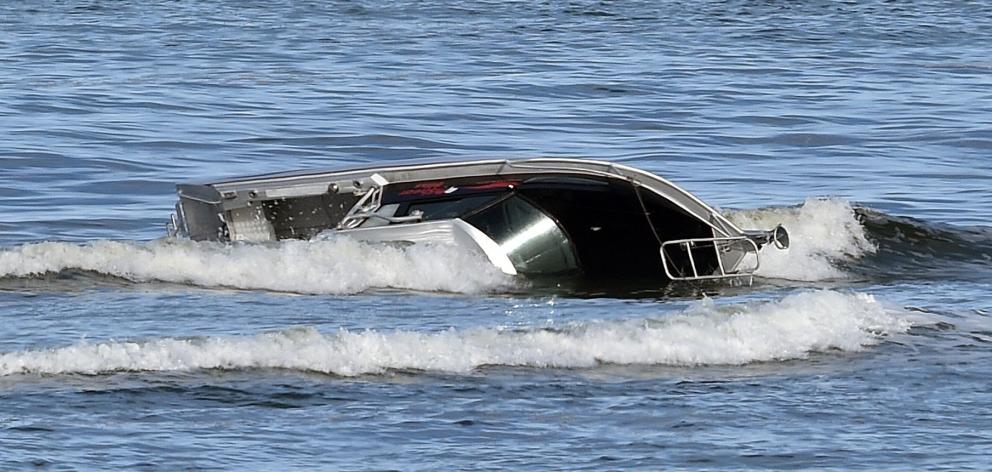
(913, 249)
(641, 287)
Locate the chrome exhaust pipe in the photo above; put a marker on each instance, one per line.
(778, 236)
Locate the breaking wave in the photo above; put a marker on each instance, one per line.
(704, 334)
(833, 239)
(824, 233)
(334, 266)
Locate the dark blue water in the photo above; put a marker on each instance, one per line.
(866, 128)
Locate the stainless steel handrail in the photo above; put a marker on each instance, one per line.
(690, 243)
(172, 226)
(198, 199)
(415, 216)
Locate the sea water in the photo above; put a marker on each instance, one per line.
(865, 128)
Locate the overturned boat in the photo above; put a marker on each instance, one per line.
(537, 217)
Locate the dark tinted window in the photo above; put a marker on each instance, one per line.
(444, 209)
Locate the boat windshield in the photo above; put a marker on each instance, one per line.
(529, 237)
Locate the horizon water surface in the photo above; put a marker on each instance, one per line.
(863, 127)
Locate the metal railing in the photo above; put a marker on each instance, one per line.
(724, 244)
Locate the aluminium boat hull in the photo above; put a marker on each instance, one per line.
(534, 217)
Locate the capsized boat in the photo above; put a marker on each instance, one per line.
(544, 216)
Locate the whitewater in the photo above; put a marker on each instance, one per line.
(861, 127)
(823, 233)
(706, 334)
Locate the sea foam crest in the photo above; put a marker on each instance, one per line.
(822, 232)
(705, 334)
(333, 266)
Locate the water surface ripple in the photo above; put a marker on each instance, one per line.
(864, 127)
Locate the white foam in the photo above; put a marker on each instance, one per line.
(705, 334)
(335, 266)
(822, 232)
